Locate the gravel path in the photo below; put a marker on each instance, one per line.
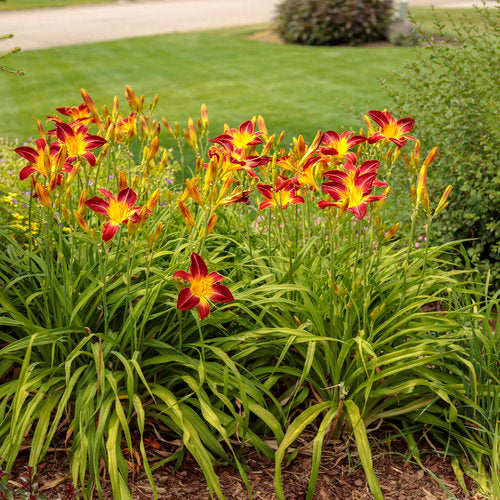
(53, 27)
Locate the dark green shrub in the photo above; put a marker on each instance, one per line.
(453, 92)
(332, 22)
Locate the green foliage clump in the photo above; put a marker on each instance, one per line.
(453, 90)
(332, 22)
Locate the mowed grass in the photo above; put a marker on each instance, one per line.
(40, 4)
(300, 89)
(424, 17)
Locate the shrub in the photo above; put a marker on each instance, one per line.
(453, 90)
(332, 22)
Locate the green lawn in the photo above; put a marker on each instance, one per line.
(424, 16)
(296, 88)
(38, 4)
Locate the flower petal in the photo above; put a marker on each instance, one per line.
(186, 300)
(183, 275)
(109, 230)
(220, 293)
(198, 267)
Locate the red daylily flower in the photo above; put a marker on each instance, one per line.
(390, 129)
(203, 288)
(45, 160)
(80, 114)
(237, 140)
(284, 194)
(78, 141)
(338, 145)
(351, 189)
(119, 210)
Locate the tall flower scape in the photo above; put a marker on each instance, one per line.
(230, 289)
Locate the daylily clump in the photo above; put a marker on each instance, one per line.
(74, 175)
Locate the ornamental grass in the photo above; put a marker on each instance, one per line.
(117, 331)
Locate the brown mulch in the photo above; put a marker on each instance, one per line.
(341, 478)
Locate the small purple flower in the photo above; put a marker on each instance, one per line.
(91, 183)
(27, 193)
(25, 205)
(14, 201)
(259, 218)
(169, 181)
(163, 204)
(111, 176)
(10, 173)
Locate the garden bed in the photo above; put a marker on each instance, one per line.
(341, 477)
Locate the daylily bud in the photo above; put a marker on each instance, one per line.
(159, 227)
(72, 174)
(164, 159)
(81, 221)
(211, 223)
(67, 195)
(39, 126)
(391, 232)
(153, 149)
(416, 153)
(269, 145)
(199, 126)
(66, 213)
(131, 227)
(52, 183)
(144, 125)
(122, 181)
(413, 194)
(407, 162)
(177, 129)
(280, 138)
(193, 192)
(167, 126)
(115, 106)
(421, 184)
(431, 157)
(300, 146)
(135, 181)
(103, 153)
(387, 190)
(154, 103)
(317, 141)
(132, 99)
(188, 216)
(82, 207)
(92, 108)
(262, 124)
(204, 116)
(442, 202)
(105, 112)
(389, 154)
(153, 200)
(211, 171)
(368, 122)
(43, 195)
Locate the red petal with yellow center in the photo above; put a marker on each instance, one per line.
(203, 309)
(98, 205)
(127, 196)
(183, 275)
(198, 267)
(220, 293)
(109, 230)
(186, 300)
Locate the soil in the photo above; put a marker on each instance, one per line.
(341, 477)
